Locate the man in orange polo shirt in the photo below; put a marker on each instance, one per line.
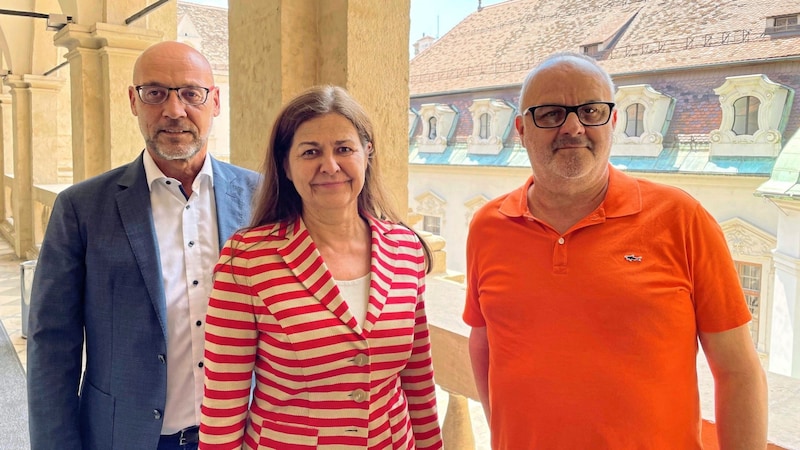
(588, 291)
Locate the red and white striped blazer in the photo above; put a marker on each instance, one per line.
(322, 381)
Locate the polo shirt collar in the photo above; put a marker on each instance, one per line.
(623, 197)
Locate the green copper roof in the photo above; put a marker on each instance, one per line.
(675, 160)
(785, 178)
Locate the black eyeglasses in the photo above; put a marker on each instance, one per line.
(189, 95)
(589, 114)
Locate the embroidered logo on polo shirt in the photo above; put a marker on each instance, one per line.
(633, 258)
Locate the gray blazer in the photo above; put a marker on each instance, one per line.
(99, 276)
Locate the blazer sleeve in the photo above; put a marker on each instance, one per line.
(55, 335)
(417, 378)
(230, 353)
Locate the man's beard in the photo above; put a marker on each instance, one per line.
(173, 150)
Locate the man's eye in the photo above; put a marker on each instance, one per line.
(153, 93)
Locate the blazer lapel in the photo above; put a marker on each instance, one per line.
(303, 258)
(133, 205)
(383, 268)
(232, 203)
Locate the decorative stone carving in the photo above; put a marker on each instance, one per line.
(500, 116)
(436, 140)
(745, 239)
(657, 115)
(775, 102)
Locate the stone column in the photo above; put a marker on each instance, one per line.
(33, 99)
(280, 47)
(457, 427)
(784, 355)
(101, 57)
(6, 150)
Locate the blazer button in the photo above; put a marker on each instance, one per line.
(156, 414)
(359, 396)
(162, 359)
(361, 360)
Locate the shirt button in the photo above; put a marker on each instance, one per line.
(361, 360)
(191, 243)
(200, 364)
(162, 359)
(187, 206)
(359, 396)
(156, 414)
(169, 182)
(198, 323)
(561, 240)
(195, 283)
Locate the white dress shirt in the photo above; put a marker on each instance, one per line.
(188, 245)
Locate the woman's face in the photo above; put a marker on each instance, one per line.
(327, 164)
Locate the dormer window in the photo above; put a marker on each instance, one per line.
(591, 49)
(484, 126)
(643, 118)
(492, 120)
(745, 115)
(754, 112)
(634, 115)
(432, 128)
(782, 24)
(438, 125)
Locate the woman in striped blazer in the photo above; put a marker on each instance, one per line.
(322, 298)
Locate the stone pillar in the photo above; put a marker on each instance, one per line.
(6, 149)
(34, 99)
(278, 48)
(457, 427)
(101, 57)
(784, 354)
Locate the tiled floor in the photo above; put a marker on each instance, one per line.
(10, 295)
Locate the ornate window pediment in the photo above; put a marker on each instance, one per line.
(745, 239)
(473, 205)
(744, 100)
(430, 208)
(643, 116)
(491, 123)
(438, 124)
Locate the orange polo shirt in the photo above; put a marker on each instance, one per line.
(593, 333)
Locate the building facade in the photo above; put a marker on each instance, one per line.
(705, 99)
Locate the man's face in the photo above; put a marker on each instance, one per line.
(572, 156)
(173, 130)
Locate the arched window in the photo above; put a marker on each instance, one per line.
(484, 130)
(745, 115)
(635, 120)
(432, 128)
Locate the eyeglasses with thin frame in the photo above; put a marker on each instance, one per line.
(188, 95)
(591, 114)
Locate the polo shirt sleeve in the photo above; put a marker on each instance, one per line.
(717, 293)
(473, 316)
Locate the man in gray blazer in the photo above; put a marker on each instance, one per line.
(125, 271)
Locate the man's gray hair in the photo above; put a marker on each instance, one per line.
(556, 58)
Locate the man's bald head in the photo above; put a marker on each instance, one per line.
(170, 53)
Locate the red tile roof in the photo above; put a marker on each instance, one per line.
(499, 44)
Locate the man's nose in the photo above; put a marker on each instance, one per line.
(173, 107)
(572, 124)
